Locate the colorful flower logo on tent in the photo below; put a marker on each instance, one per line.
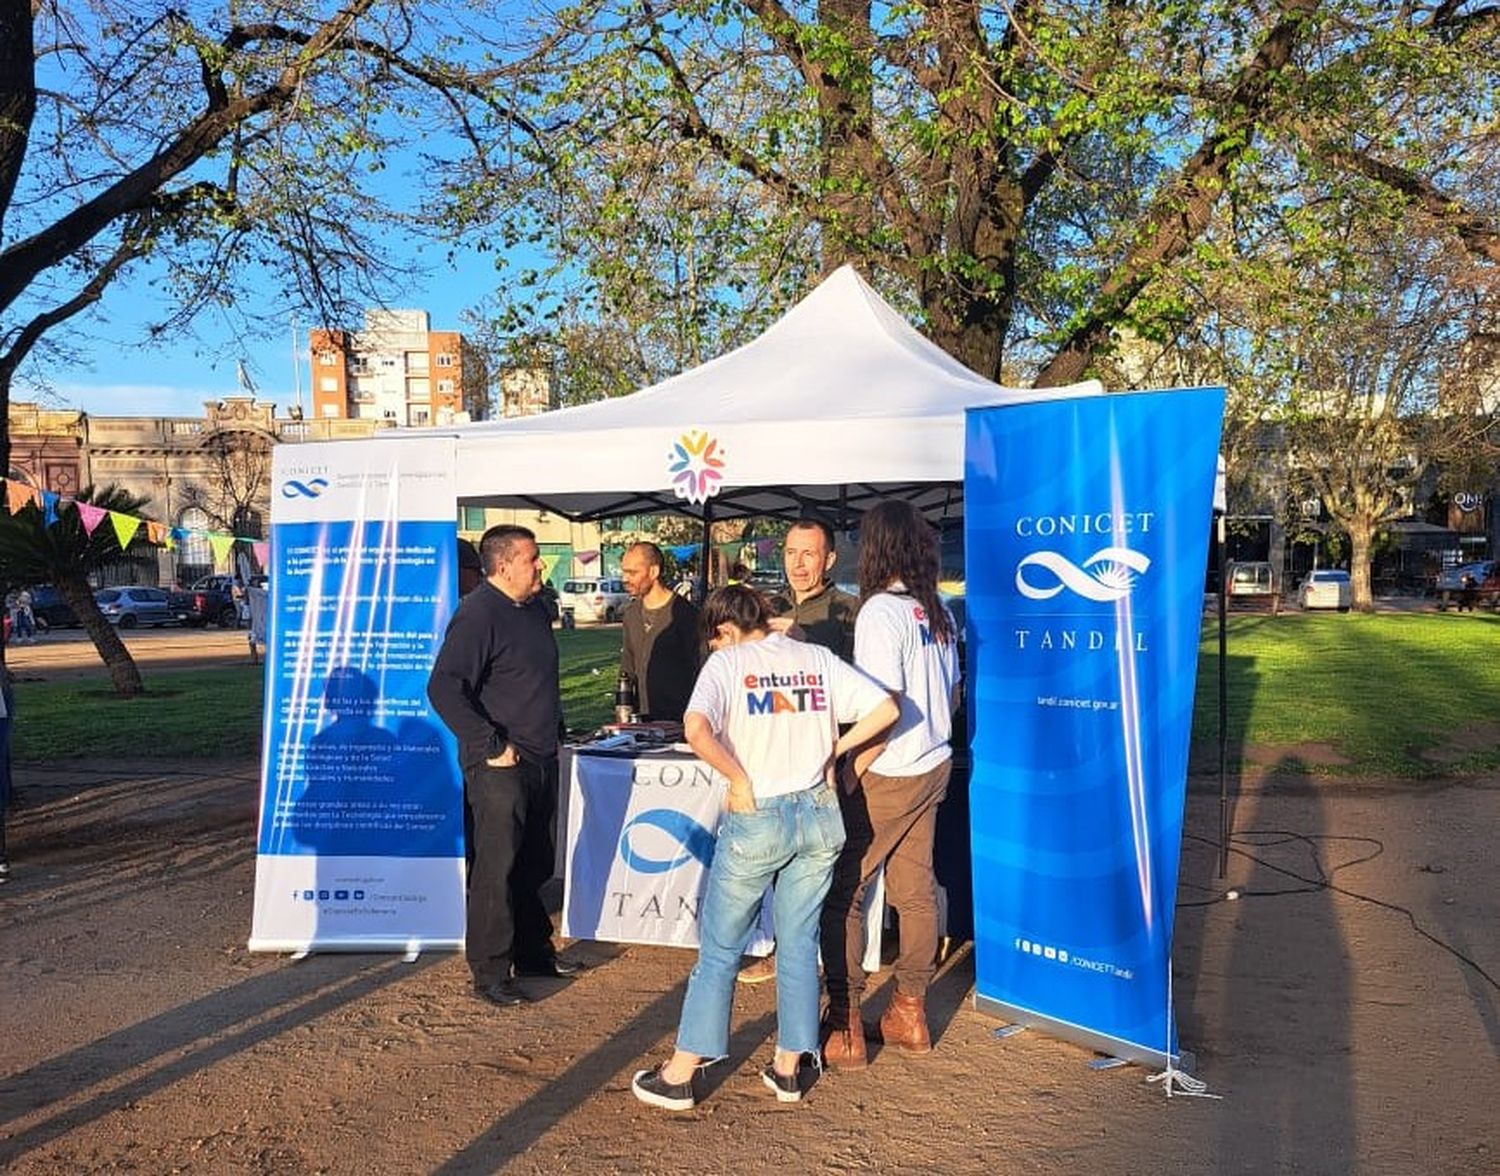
(696, 464)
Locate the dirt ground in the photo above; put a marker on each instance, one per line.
(138, 1034)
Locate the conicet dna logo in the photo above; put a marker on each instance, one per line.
(692, 838)
(1107, 575)
(311, 488)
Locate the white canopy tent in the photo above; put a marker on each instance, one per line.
(840, 403)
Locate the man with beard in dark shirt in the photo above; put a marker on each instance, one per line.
(660, 648)
(495, 685)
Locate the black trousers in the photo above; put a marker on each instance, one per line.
(512, 851)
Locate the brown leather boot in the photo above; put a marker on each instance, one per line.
(844, 1039)
(904, 1023)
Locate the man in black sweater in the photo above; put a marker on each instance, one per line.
(495, 685)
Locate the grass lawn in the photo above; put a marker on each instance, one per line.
(1377, 689)
(198, 714)
(185, 714)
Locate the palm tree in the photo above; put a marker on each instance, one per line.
(63, 555)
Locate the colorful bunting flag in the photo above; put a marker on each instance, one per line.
(90, 515)
(262, 552)
(18, 494)
(125, 527)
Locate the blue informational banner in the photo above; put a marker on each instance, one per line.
(360, 843)
(1086, 529)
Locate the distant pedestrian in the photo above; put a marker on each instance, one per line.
(1468, 592)
(22, 619)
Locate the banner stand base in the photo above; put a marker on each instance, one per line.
(299, 949)
(1113, 1047)
(1184, 1084)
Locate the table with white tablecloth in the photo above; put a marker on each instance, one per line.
(640, 833)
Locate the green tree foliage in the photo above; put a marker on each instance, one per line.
(1030, 178)
(65, 555)
(1359, 348)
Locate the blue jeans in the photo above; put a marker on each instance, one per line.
(793, 840)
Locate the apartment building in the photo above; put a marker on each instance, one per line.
(397, 370)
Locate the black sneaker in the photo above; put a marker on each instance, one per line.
(503, 994)
(650, 1087)
(788, 1087)
(552, 969)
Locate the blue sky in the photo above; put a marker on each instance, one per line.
(119, 372)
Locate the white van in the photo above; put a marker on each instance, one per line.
(594, 599)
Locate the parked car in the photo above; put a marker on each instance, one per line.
(1482, 580)
(129, 607)
(594, 599)
(1326, 588)
(210, 598)
(1252, 584)
(767, 581)
(1453, 579)
(51, 610)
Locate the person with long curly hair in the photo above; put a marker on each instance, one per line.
(905, 638)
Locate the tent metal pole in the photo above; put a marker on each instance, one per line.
(706, 550)
(1223, 709)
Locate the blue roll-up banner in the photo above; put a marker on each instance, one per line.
(1087, 525)
(360, 843)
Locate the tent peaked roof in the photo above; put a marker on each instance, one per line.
(842, 336)
(841, 352)
(838, 403)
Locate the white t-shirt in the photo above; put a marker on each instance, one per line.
(776, 704)
(893, 643)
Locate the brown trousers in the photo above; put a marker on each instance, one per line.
(889, 821)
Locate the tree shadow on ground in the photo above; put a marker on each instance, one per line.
(184, 1041)
(1270, 970)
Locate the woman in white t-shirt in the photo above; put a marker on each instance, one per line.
(904, 638)
(765, 714)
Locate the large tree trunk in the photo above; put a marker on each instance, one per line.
(847, 211)
(1361, 530)
(122, 668)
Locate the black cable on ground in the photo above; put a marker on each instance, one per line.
(1324, 880)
